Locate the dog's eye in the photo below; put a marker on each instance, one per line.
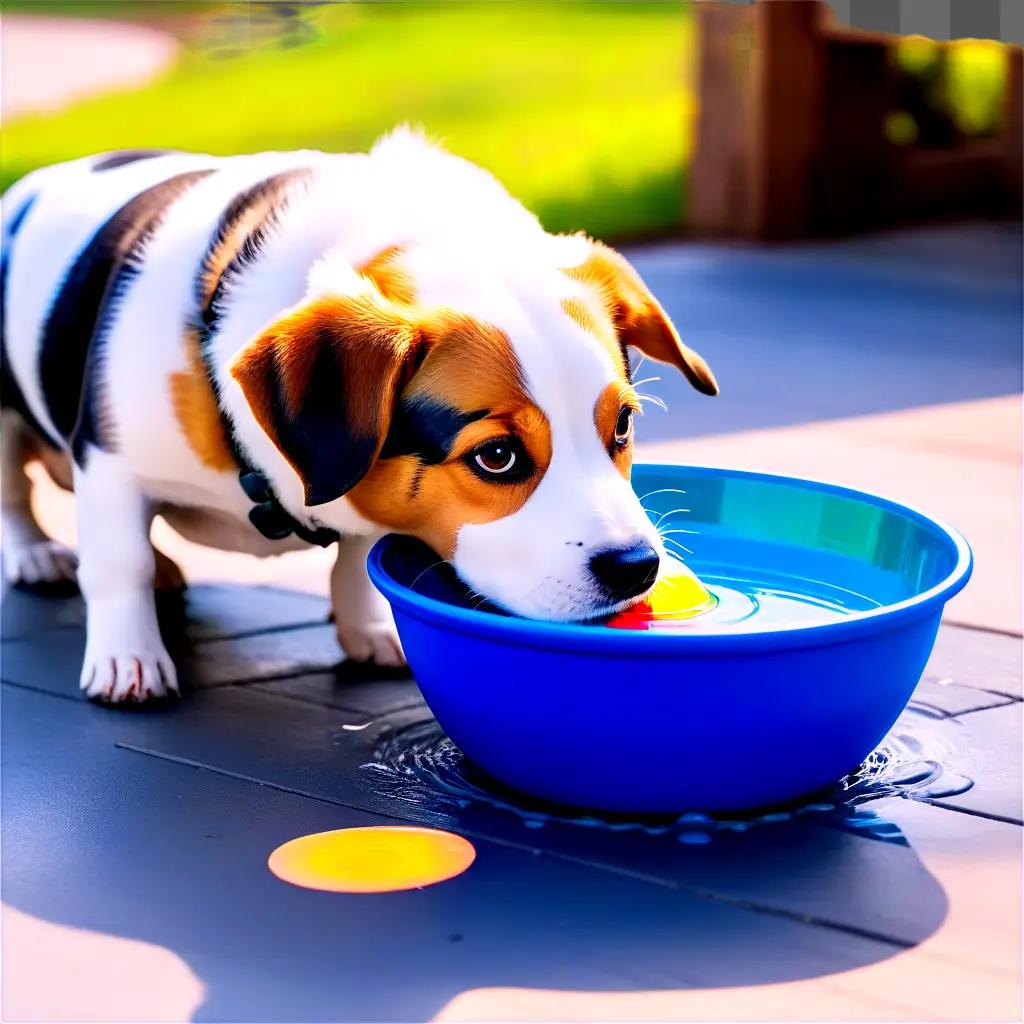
(503, 458)
(623, 427)
(496, 456)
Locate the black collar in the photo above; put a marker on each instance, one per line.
(268, 515)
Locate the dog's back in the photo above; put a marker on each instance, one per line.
(112, 263)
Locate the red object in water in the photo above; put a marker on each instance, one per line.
(640, 616)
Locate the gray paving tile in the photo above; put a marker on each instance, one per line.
(989, 753)
(942, 698)
(51, 661)
(217, 611)
(982, 660)
(352, 687)
(263, 656)
(175, 856)
(208, 611)
(864, 327)
(46, 661)
(23, 613)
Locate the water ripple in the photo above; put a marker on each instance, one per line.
(419, 765)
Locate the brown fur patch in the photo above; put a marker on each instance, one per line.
(606, 414)
(323, 381)
(195, 408)
(638, 317)
(598, 324)
(469, 366)
(389, 277)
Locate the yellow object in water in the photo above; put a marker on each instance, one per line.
(677, 595)
(382, 858)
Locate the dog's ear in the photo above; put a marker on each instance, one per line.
(323, 382)
(638, 317)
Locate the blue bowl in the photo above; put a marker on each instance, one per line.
(835, 601)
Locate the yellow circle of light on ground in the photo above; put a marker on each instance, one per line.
(379, 858)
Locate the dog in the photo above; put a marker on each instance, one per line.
(285, 349)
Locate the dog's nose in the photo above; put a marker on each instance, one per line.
(626, 572)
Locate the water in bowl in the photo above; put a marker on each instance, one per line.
(720, 600)
(724, 600)
(746, 605)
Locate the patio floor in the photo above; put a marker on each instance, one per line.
(135, 884)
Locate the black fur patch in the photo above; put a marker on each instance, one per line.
(11, 396)
(128, 156)
(426, 429)
(263, 204)
(321, 444)
(73, 342)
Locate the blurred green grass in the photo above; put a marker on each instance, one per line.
(583, 110)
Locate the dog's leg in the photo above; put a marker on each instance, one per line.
(125, 659)
(29, 556)
(366, 628)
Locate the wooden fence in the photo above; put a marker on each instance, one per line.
(807, 128)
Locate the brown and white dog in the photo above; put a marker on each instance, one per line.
(379, 342)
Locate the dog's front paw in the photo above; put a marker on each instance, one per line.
(117, 677)
(376, 641)
(39, 564)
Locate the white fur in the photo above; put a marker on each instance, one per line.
(535, 562)
(29, 556)
(469, 246)
(125, 658)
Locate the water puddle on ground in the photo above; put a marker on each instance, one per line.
(419, 765)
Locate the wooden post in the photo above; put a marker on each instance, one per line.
(1013, 130)
(759, 121)
(789, 95)
(721, 175)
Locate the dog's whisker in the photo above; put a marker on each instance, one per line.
(661, 490)
(671, 512)
(676, 546)
(653, 399)
(646, 380)
(433, 565)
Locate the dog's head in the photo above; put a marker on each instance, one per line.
(498, 430)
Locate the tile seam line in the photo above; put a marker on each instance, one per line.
(246, 634)
(1011, 698)
(241, 684)
(198, 641)
(263, 686)
(987, 815)
(988, 707)
(708, 895)
(1016, 634)
(29, 688)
